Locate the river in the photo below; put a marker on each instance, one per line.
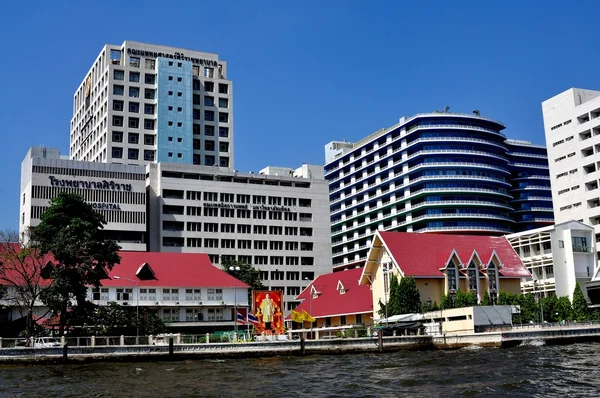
(533, 370)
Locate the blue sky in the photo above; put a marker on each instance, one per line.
(304, 73)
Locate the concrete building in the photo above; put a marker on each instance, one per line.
(433, 172)
(572, 128)
(116, 191)
(276, 222)
(557, 257)
(142, 103)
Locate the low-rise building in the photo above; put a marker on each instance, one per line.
(337, 302)
(557, 257)
(442, 264)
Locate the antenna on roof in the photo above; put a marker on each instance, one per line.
(446, 109)
(476, 112)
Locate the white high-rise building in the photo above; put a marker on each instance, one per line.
(572, 128)
(142, 103)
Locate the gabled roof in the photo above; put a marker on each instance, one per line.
(356, 299)
(170, 269)
(422, 255)
(416, 253)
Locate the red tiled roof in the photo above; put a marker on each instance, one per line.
(171, 269)
(422, 255)
(357, 298)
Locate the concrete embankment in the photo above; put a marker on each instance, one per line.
(142, 353)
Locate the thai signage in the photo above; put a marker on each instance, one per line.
(245, 206)
(107, 185)
(177, 55)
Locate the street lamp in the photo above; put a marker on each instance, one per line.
(535, 282)
(137, 305)
(235, 325)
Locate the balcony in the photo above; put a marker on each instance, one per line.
(581, 249)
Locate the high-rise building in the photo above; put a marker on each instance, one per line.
(530, 180)
(433, 172)
(572, 128)
(141, 103)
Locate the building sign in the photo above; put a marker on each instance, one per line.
(108, 185)
(181, 56)
(106, 206)
(245, 206)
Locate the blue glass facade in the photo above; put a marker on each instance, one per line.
(438, 172)
(174, 111)
(530, 180)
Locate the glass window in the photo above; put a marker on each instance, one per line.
(118, 75)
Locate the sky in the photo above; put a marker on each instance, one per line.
(304, 73)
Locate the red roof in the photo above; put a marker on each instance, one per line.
(357, 298)
(422, 255)
(171, 269)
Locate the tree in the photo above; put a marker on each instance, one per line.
(21, 269)
(394, 304)
(564, 310)
(247, 274)
(114, 319)
(410, 298)
(549, 305)
(382, 310)
(529, 308)
(486, 298)
(71, 230)
(580, 305)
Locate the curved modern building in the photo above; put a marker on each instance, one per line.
(531, 190)
(433, 172)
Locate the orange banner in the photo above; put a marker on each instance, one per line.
(268, 309)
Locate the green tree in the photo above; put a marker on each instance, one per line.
(410, 298)
(447, 302)
(564, 310)
(580, 305)
(71, 231)
(529, 308)
(460, 299)
(114, 320)
(382, 310)
(394, 298)
(247, 274)
(486, 299)
(550, 305)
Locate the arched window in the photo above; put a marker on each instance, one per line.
(451, 276)
(472, 274)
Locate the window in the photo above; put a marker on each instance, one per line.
(117, 105)
(223, 88)
(209, 87)
(209, 72)
(134, 107)
(133, 138)
(150, 79)
(149, 124)
(179, 93)
(132, 154)
(223, 131)
(117, 121)
(134, 92)
(472, 274)
(118, 75)
(179, 79)
(134, 77)
(209, 145)
(118, 90)
(561, 244)
(223, 103)
(223, 117)
(209, 131)
(149, 94)
(134, 61)
(224, 161)
(134, 122)
(451, 275)
(209, 116)
(150, 63)
(170, 78)
(148, 155)
(209, 101)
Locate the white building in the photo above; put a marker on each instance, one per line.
(143, 103)
(572, 128)
(277, 223)
(557, 256)
(117, 191)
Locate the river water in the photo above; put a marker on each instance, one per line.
(533, 370)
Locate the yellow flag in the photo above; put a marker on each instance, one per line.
(307, 317)
(297, 317)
